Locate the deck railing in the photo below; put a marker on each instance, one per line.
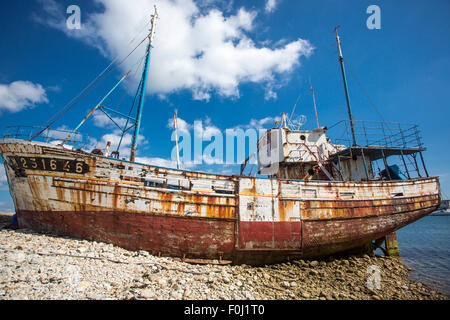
(377, 134)
(55, 136)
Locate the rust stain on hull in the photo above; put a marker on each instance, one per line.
(197, 216)
(172, 236)
(205, 239)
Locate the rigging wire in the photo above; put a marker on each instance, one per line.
(141, 29)
(292, 113)
(79, 99)
(368, 98)
(121, 100)
(104, 70)
(129, 114)
(48, 125)
(364, 92)
(104, 98)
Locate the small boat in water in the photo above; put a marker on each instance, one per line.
(318, 197)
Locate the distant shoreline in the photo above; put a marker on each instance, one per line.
(440, 213)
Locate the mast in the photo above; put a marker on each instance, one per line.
(344, 78)
(284, 116)
(315, 108)
(142, 89)
(176, 138)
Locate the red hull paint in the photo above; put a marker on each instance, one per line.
(328, 236)
(322, 237)
(167, 235)
(206, 238)
(277, 235)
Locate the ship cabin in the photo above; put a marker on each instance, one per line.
(376, 151)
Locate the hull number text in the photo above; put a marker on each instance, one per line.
(50, 164)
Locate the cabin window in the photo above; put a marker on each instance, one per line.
(179, 184)
(201, 185)
(397, 194)
(222, 190)
(310, 193)
(154, 182)
(223, 187)
(347, 194)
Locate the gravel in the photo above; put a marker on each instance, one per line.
(47, 267)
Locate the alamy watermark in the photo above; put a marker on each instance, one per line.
(374, 279)
(73, 276)
(74, 20)
(374, 20)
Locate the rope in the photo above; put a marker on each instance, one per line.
(121, 100)
(141, 29)
(367, 96)
(104, 70)
(292, 113)
(128, 119)
(104, 98)
(67, 105)
(364, 92)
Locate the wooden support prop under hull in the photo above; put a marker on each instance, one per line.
(391, 245)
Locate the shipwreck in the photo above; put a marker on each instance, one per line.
(318, 196)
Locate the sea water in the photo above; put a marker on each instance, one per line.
(425, 247)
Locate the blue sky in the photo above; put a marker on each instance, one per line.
(230, 64)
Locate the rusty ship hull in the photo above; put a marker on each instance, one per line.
(203, 217)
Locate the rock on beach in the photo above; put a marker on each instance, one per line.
(47, 267)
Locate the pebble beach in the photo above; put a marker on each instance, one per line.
(36, 266)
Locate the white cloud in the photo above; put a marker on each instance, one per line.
(3, 179)
(6, 207)
(2, 174)
(65, 146)
(55, 17)
(61, 133)
(270, 94)
(199, 49)
(19, 95)
(202, 128)
(101, 120)
(182, 125)
(160, 162)
(258, 124)
(261, 123)
(209, 160)
(166, 163)
(114, 138)
(205, 129)
(226, 171)
(270, 5)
